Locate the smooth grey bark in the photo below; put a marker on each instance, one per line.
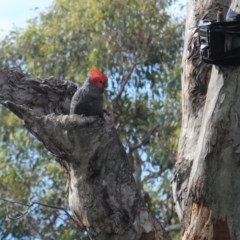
(102, 191)
(206, 179)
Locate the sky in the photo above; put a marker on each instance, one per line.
(15, 13)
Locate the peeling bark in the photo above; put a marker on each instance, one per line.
(206, 179)
(102, 191)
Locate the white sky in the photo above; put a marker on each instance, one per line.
(15, 13)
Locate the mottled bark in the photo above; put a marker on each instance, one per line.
(102, 191)
(206, 179)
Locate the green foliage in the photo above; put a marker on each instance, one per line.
(138, 46)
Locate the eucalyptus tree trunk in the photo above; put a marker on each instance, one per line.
(102, 191)
(206, 182)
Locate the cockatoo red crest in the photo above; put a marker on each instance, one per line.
(98, 78)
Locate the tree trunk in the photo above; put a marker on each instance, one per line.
(102, 191)
(206, 179)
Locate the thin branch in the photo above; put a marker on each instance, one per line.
(29, 206)
(152, 175)
(173, 228)
(125, 80)
(13, 202)
(144, 139)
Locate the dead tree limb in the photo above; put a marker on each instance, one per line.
(102, 191)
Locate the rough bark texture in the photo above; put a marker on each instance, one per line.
(206, 180)
(102, 191)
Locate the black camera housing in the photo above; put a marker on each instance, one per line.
(220, 42)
